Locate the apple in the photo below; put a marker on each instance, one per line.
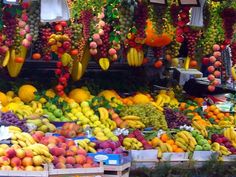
(81, 151)
(29, 168)
(205, 61)
(70, 160)
(29, 153)
(80, 159)
(15, 162)
(4, 146)
(27, 161)
(39, 168)
(60, 166)
(17, 168)
(62, 159)
(20, 153)
(6, 168)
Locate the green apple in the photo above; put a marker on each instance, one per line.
(48, 105)
(198, 148)
(206, 147)
(52, 107)
(58, 112)
(202, 142)
(84, 104)
(194, 133)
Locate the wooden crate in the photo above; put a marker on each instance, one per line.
(117, 170)
(25, 173)
(71, 172)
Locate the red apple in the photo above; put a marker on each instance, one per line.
(29, 153)
(211, 88)
(15, 162)
(20, 153)
(70, 160)
(10, 153)
(211, 69)
(4, 161)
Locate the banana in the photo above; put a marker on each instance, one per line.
(131, 117)
(183, 136)
(77, 70)
(233, 72)
(14, 128)
(14, 142)
(104, 63)
(34, 105)
(183, 146)
(163, 147)
(103, 112)
(28, 137)
(227, 133)
(215, 146)
(91, 149)
(22, 143)
(186, 63)
(159, 154)
(224, 151)
(6, 59)
(169, 148)
(66, 59)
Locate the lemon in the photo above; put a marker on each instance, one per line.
(10, 94)
(27, 93)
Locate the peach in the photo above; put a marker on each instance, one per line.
(60, 166)
(51, 145)
(20, 153)
(62, 159)
(2, 152)
(87, 165)
(70, 143)
(78, 166)
(57, 151)
(81, 151)
(17, 168)
(211, 88)
(52, 140)
(62, 145)
(10, 153)
(211, 77)
(89, 160)
(70, 153)
(27, 161)
(212, 59)
(39, 168)
(95, 165)
(6, 168)
(216, 47)
(4, 146)
(217, 64)
(38, 135)
(70, 160)
(4, 161)
(217, 73)
(29, 168)
(55, 160)
(211, 69)
(69, 166)
(61, 139)
(80, 159)
(15, 162)
(217, 54)
(73, 148)
(215, 83)
(29, 153)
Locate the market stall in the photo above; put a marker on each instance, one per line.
(105, 87)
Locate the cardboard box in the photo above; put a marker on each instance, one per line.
(144, 155)
(110, 159)
(182, 75)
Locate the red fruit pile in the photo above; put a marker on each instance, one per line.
(71, 130)
(182, 27)
(213, 69)
(223, 141)
(109, 147)
(66, 154)
(139, 136)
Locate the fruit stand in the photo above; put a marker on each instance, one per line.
(109, 88)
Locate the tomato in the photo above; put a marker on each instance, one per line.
(19, 60)
(58, 28)
(63, 23)
(158, 64)
(59, 64)
(193, 63)
(36, 56)
(59, 87)
(74, 52)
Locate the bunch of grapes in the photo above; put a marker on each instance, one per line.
(229, 19)
(148, 113)
(76, 31)
(44, 33)
(105, 41)
(126, 21)
(10, 118)
(86, 17)
(34, 19)
(141, 15)
(192, 37)
(175, 119)
(174, 12)
(158, 52)
(9, 29)
(173, 49)
(233, 52)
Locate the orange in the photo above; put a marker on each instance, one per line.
(179, 150)
(192, 108)
(216, 111)
(213, 107)
(209, 114)
(193, 63)
(158, 64)
(220, 115)
(170, 142)
(214, 117)
(227, 114)
(164, 137)
(174, 147)
(36, 56)
(182, 106)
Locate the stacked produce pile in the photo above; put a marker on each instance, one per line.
(115, 124)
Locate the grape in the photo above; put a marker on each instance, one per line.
(229, 19)
(10, 118)
(126, 21)
(86, 17)
(76, 31)
(148, 113)
(175, 119)
(34, 21)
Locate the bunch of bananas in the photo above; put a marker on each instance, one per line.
(21, 138)
(228, 122)
(185, 140)
(105, 120)
(42, 125)
(104, 63)
(132, 144)
(24, 111)
(87, 145)
(162, 148)
(133, 122)
(233, 72)
(14, 67)
(37, 107)
(135, 57)
(202, 129)
(231, 135)
(222, 150)
(187, 63)
(5, 60)
(104, 134)
(166, 97)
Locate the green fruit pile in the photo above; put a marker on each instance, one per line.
(202, 143)
(148, 113)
